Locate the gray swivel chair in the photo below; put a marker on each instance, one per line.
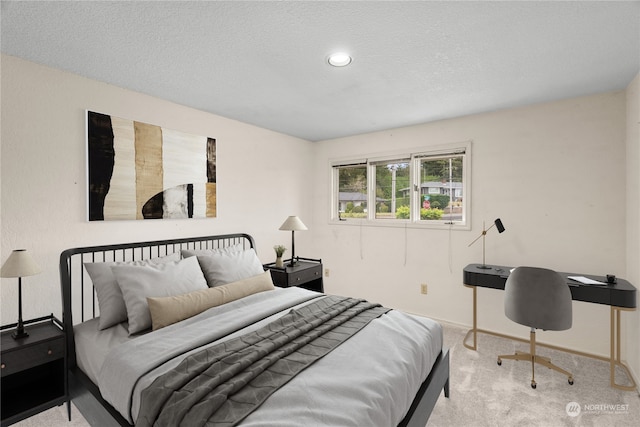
(541, 299)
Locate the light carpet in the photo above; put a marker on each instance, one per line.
(55, 417)
(485, 394)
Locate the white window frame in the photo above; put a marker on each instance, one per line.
(371, 176)
(335, 189)
(413, 156)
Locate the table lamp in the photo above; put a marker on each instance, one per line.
(19, 264)
(498, 224)
(293, 224)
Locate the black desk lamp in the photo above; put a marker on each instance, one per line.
(498, 224)
(19, 264)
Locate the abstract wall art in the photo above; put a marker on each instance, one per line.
(142, 171)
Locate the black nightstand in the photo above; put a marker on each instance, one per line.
(307, 273)
(34, 370)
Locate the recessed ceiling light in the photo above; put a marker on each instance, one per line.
(339, 59)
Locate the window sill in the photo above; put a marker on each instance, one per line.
(401, 224)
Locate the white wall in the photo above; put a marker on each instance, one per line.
(632, 323)
(262, 176)
(555, 175)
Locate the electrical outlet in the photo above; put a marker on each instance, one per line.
(423, 288)
(326, 272)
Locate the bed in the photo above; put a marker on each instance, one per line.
(359, 364)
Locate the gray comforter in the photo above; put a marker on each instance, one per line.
(370, 379)
(221, 385)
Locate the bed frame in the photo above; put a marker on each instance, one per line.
(79, 302)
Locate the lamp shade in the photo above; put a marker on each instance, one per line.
(19, 264)
(293, 223)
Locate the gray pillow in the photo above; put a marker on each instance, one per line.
(221, 268)
(110, 300)
(159, 280)
(186, 253)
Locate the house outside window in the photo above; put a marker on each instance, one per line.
(350, 200)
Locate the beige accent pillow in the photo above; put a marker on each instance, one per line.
(168, 310)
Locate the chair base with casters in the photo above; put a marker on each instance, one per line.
(534, 358)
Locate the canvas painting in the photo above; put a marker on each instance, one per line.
(142, 171)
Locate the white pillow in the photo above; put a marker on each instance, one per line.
(226, 267)
(160, 280)
(110, 300)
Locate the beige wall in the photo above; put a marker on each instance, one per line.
(554, 173)
(632, 324)
(559, 175)
(261, 176)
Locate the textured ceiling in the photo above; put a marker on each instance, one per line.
(264, 62)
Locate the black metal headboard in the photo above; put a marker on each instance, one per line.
(78, 294)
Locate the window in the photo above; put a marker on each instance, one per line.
(441, 185)
(427, 188)
(390, 178)
(351, 195)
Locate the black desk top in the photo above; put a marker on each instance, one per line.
(619, 294)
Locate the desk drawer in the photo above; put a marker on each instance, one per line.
(38, 354)
(303, 276)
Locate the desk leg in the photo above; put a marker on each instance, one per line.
(614, 359)
(475, 322)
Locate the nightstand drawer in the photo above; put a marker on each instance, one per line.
(37, 354)
(306, 273)
(303, 276)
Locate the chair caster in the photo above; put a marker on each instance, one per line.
(533, 384)
(570, 381)
(499, 362)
